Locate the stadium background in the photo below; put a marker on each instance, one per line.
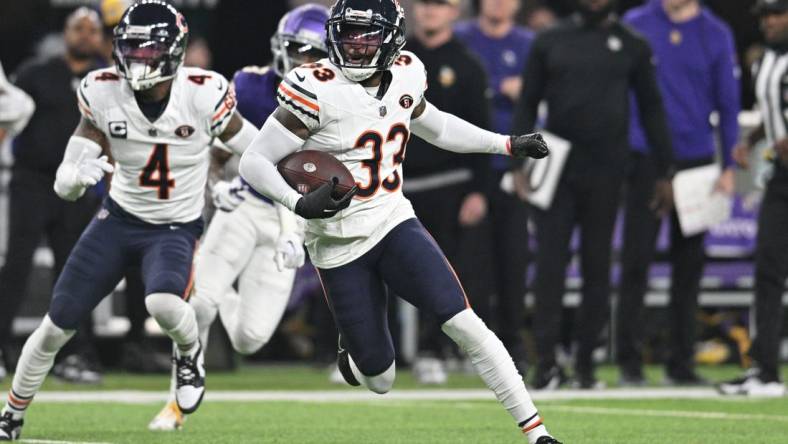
(236, 33)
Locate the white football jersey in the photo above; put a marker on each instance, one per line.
(161, 166)
(368, 135)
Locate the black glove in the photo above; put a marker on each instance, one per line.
(318, 204)
(528, 145)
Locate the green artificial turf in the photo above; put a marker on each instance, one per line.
(714, 421)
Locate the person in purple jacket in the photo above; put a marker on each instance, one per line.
(698, 75)
(251, 239)
(503, 47)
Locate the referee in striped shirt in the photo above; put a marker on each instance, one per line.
(771, 251)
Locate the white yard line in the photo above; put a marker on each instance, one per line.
(606, 411)
(137, 397)
(49, 441)
(609, 411)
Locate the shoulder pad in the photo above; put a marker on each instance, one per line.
(297, 92)
(212, 96)
(94, 90)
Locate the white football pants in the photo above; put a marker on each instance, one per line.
(241, 245)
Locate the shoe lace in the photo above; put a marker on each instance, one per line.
(186, 373)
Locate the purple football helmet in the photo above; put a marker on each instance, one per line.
(300, 38)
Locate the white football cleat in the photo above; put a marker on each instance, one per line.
(752, 385)
(189, 378)
(169, 418)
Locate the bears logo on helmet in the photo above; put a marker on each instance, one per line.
(149, 43)
(364, 36)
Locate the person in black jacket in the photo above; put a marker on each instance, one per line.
(35, 210)
(447, 189)
(584, 70)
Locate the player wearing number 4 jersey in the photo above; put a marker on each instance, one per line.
(156, 120)
(251, 239)
(360, 105)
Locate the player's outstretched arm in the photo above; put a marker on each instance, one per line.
(81, 166)
(451, 133)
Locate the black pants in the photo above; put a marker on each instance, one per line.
(687, 259)
(35, 211)
(509, 217)
(587, 200)
(438, 210)
(771, 270)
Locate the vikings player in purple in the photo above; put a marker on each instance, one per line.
(251, 239)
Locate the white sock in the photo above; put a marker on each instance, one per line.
(496, 368)
(379, 384)
(176, 317)
(38, 356)
(205, 311)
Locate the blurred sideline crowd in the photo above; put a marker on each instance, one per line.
(631, 125)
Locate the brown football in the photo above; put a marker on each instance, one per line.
(308, 169)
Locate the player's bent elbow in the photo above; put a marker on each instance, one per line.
(246, 165)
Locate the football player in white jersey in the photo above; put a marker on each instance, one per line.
(360, 105)
(157, 121)
(251, 239)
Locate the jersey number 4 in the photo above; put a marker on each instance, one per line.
(156, 173)
(375, 140)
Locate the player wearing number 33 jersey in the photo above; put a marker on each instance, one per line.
(361, 105)
(368, 134)
(156, 120)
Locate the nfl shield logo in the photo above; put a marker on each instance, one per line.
(383, 111)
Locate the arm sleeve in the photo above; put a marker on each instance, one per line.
(241, 140)
(451, 133)
(257, 166)
(727, 74)
(652, 112)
